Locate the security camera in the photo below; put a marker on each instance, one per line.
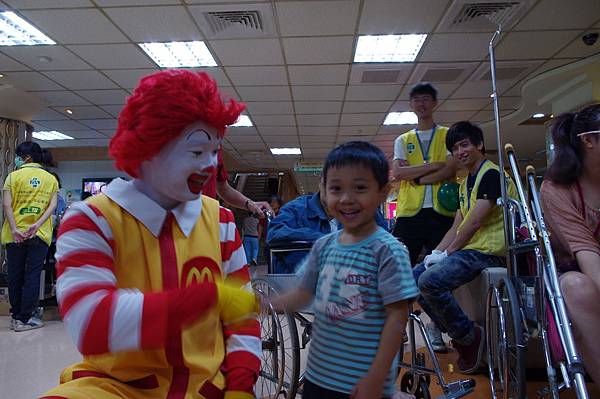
(590, 38)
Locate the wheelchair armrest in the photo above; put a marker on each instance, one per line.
(291, 245)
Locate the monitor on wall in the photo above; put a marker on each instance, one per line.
(95, 185)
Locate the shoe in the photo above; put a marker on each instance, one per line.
(253, 263)
(470, 356)
(31, 324)
(434, 335)
(38, 313)
(13, 323)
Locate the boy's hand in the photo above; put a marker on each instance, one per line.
(368, 387)
(235, 304)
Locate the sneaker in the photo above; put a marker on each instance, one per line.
(38, 313)
(253, 263)
(434, 335)
(31, 324)
(13, 323)
(470, 356)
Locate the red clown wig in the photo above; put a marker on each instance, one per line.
(161, 106)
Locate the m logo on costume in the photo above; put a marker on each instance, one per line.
(200, 270)
(35, 182)
(410, 147)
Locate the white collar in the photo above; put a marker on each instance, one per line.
(148, 212)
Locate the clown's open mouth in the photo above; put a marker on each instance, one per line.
(196, 182)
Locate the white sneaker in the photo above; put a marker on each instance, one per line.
(435, 338)
(31, 324)
(13, 323)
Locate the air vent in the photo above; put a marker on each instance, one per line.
(235, 21)
(220, 21)
(380, 76)
(483, 15)
(437, 75)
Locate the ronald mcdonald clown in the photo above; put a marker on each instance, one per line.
(153, 284)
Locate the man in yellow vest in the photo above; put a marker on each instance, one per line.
(474, 242)
(421, 164)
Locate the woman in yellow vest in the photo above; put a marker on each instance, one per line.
(474, 242)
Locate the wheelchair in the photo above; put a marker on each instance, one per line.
(284, 334)
(526, 308)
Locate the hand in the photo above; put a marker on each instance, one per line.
(32, 230)
(367, 388)
(18, 236)
(235, 304)
(259, 208)
(436, 256)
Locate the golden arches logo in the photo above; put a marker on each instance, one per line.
(196, 276)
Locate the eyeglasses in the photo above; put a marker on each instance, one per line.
(590, 132)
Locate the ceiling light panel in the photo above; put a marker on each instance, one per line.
(50, 135)
(242, 121)
(179, 54)
(15, 31)
(400, 118)
(285, 151)
(389, 48)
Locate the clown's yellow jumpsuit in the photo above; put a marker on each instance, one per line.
(136, 292)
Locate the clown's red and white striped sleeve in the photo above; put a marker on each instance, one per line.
(101, 318)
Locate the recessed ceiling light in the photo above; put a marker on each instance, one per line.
(15, 31)
(388, 48)
(243, 121)
(538, 116)
(179, 54)
(69, 111)
(51, 135)
(1, 75)
(285, 151)
(401, 118)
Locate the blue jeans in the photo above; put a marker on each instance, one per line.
(438, 281)
(24, 262)
(251, 248)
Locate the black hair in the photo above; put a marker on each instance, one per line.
(57, 179)
(464, 130)
(567, 163)
(30, 148)
(423, 88)
(359, 153)
(85, 194)
(47, 158)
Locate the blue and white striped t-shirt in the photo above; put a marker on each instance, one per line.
(352, 283)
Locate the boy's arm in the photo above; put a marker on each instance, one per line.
(403, 171)
(473, 222)
(371, 385)
(102, 318)
(242, 339)
(451, 233)
(448, 171)
(292, 301)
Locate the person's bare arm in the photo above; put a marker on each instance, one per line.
(451, 233)
(371, 385)
(448, 171)
(32, 230)
(292, 301)
(589, 263)
(239, 200)
(403, 171)
(474, 221)
(17, 234)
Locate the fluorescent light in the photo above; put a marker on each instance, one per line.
(401, 118)
(15, 31)
(51, 135)
(69, 111)
(179, 54)
(243, 121)
(538, 116)
(286, 151)
(388, 48)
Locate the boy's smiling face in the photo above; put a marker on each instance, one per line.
(352, 196)
(178, 172)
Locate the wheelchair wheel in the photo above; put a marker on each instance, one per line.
(505, 342)
(280, 363)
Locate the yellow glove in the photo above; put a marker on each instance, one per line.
(238, 395)
(235, 304)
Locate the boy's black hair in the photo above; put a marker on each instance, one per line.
(464, 130)
(359, 153)
(30, 148)
(423, 88)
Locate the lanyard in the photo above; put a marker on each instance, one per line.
(469, 190)
(426, 153)
(583, 208)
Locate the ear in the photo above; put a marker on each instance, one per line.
(587, 141)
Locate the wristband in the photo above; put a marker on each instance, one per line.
(247, 202)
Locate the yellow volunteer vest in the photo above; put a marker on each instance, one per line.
(489, 238)
(410, 195)
(137, 264)
(31, 189)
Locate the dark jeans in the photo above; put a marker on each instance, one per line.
(24, 262)
(425, 229)
(438, 281)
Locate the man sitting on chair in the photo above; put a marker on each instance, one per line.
(474, 242)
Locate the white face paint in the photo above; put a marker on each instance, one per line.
(178, 172)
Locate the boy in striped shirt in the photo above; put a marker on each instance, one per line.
(153, 284)
(361, 281)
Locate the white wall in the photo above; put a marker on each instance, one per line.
(71, 174)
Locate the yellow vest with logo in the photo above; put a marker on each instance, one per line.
(489, 239)
(31, 188)
(411, 195)
(137, 264)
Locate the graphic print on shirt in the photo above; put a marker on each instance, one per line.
(341, 296)
(199, 270)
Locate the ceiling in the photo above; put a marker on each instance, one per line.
(296, 74)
